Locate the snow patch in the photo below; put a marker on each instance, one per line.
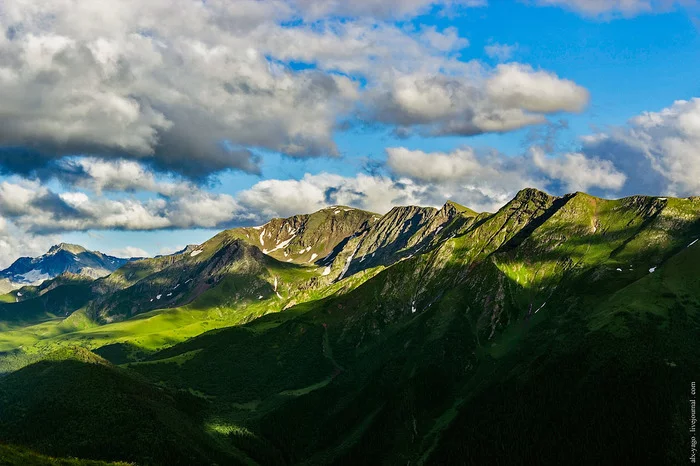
(19, 294)
(313, 256)
(335, 212)
(348, 261)
(619, 269)
(413, 307)
(279, 295)
(159, 296)
(695, 241)
(260, 297)
(540, 307)
(196, 253)
(275, 283)
(326, 271)
(169, 294)
(262, 241)
(280, 245)
(653, 269)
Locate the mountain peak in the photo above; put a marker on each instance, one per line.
(531, 193)
(72, 248)
(453, 207)
(34, 271)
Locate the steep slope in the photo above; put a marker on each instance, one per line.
(60, 259)
(177, 280)
(235, 262)
(6, 286)
(112, 414)
(53, 298)
(305, 239)
(401, 233)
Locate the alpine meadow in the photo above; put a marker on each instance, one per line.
(378, 232)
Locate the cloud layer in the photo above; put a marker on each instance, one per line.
(660, 150)
(199, 88)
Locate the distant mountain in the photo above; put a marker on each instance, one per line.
(62, 258)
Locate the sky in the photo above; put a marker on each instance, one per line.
(136, 128)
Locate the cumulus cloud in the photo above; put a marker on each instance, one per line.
(488, 171)
(282, 198)
(35, 208)
(625, 8)
(477, 101)
(519, 86)
(185, 88)
(15, 242)
(482, 181)
(579, 173)
(198, 88)
(659, 150)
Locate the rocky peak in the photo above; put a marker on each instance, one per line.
(67, 247)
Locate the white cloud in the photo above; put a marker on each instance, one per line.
(659, 150)
(519, 86)
(15, 242)
(579, 173)
(195, 89)
(461, 165)
(483, 182)
(33, 207)
(375, 193)
(477, 101)
(283, 198)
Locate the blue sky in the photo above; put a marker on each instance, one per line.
(373, 104)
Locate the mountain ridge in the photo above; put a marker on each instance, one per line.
(419, 354)
(60, 258)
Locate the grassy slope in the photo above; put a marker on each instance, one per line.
(75, 403)
(495, 336)
(19, 456)
(134, 338)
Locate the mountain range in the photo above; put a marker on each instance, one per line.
(60, 259)
(557, 330)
